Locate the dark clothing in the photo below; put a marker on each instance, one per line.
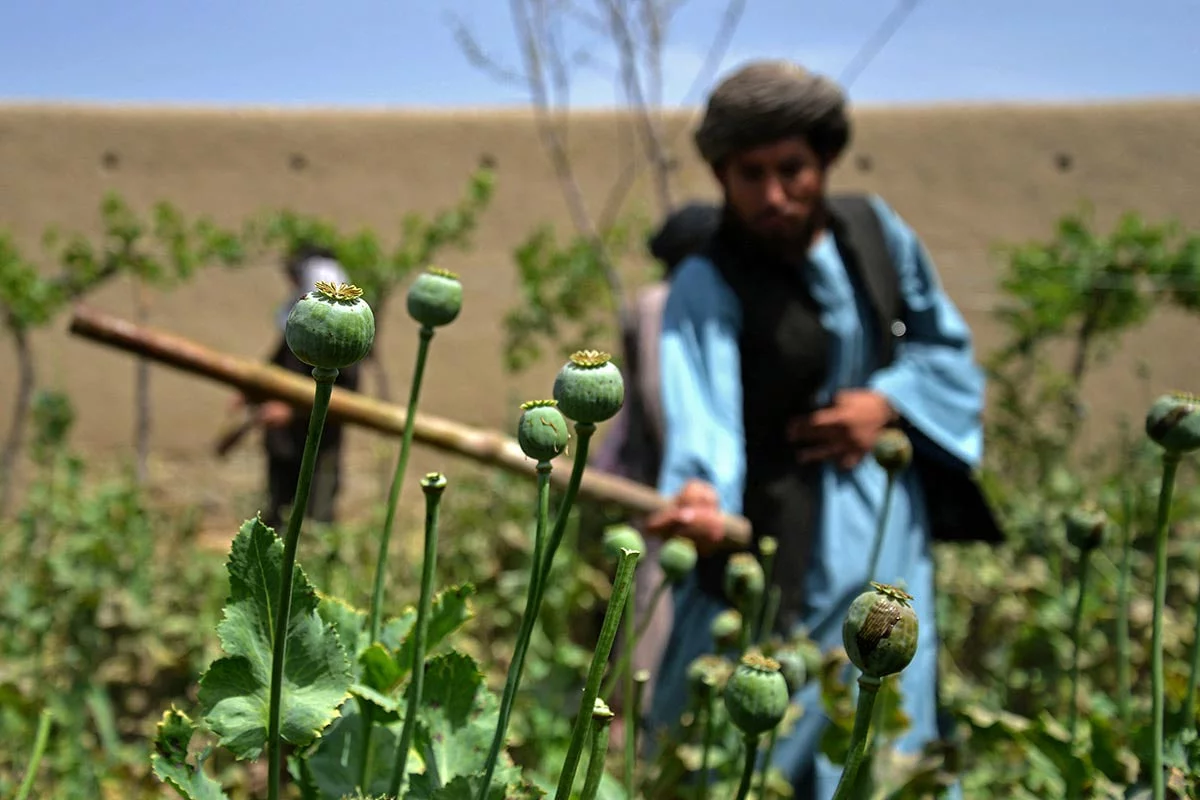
(285, 450)
(784, 362)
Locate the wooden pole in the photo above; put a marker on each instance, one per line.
(261, 381)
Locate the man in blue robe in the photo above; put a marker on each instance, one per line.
(774, 392)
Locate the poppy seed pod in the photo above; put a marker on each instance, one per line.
(880, 631)
(589, 388)
(435, 298)
(744, 580)
(621, 537)
(792, 666)
(331, 327)
(756, 695)
(677, 557)
(893, 450)
(542, 430)
(1173, 422)
(706, 675)
(726, 628)
(1085, 526)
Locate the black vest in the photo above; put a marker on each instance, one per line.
(784, 361)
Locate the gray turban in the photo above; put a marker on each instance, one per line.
(765, 101)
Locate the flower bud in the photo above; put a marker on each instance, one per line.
(622, 537)
(880, 631)
(726, 629)
(792, 666)
(768, 546)
(331, 327)
(435, 298)
(744, 580)
(1085, 526)
(589, 388)
(433, 483)
(756, 695)
(601, 713)
(542, 430)
(893, 450)
(677, 557)
(1173, 421)
(706, 675)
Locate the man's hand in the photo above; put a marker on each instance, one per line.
(844, 432)
(274, 414)
(695, 514)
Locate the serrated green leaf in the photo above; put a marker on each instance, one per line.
(170, 763)
(457, 721)
(382, 670)
(379, 670)
(349, 622)
(317, 673)
(450, 610)
(466, 787)
(334, 766)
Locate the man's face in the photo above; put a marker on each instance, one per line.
(775, 189)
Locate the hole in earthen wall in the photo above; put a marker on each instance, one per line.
(298, 162)
(1063, 162)
(487, 161)
(863, 163)
(110, 160)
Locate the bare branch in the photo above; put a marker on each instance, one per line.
(716, 53)
(479, 58)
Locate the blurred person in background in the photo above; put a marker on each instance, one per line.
(810, 324)
(285, 427)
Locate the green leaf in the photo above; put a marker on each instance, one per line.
(334, 767)
(450, 610)
(316, 672)
(170, 762)
(456, 722)
(381, 671)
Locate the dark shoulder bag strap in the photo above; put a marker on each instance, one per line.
(958, 510)
(864, 249)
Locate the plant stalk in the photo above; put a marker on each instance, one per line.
(433, 496)
(630, 704)
(626, 565)
(316, 425)
(35, 758)
(764, 615)
(1189, 703)
(596, 759)
(748, 766)
(710, 736)
(880, 528)
(375, 617)
(1170, 465)
(868, 687)
(525, 633)
(1085, 563)
(766, 767)
(425, 336)
(623, 662)
(1124, 654)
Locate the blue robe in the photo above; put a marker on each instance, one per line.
(933, 382)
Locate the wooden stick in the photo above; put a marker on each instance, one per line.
(259, 382)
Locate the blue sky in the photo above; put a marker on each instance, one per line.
(403, 53)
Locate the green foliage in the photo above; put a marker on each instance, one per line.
(233, 692)
(566, 296)
(170, 760)
(106, 606)
(1085, 290)
(370, 264)
(109, 612)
